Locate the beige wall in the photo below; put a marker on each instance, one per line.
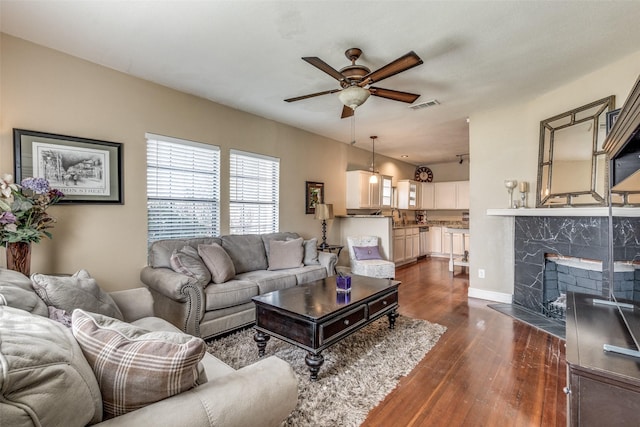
(451, 171)
(504, 144)
(48, 91)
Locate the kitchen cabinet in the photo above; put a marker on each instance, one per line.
(451, 195)
(427, 195)
(406, 245)
(435, 240)
(408, 194)
(440, 242)
(398, 245)
(361, 194)
(462, 195)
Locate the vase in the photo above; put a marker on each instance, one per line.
(19, 257)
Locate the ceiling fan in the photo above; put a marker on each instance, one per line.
(355, 80)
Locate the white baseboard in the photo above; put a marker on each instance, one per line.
(490, 295)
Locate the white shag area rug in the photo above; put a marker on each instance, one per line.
(358, 372)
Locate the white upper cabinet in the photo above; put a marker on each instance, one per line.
(451, 195)
(462, 196)
(427, 195)
(361, 194)
(408, 194)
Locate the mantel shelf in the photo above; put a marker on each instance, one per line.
(586, 211)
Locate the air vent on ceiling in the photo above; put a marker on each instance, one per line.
(425, 104)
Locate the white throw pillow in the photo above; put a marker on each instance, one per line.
(286, 254)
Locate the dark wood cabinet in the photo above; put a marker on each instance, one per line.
(602, 388)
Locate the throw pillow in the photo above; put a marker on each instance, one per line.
(77, 291)
(187, 261)
(366, 252)
(285, 254)
(218, 262)
(135, 367)
(311, 252)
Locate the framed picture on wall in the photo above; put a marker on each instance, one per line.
(314, 196)
(85, 170)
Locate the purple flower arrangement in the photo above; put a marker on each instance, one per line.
(23, 209)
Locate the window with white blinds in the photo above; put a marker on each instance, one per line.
(183, 188)
(253, 198)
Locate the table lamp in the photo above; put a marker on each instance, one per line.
(324, 212)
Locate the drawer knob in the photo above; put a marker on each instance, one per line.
(566, 390)
(346, 321)
(384, 303)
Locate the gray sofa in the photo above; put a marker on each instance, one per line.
(206, 309)
(45, 379)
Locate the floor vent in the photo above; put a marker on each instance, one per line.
(426, 104)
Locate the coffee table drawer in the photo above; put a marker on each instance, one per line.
(383, 303)
(336, 327)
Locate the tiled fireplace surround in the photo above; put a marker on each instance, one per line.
(580, 237)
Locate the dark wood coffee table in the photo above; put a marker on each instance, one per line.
(315, 316)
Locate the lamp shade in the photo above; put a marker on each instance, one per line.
(353, 96)
(324, 211)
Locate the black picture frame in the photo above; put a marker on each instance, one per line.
(314, 195)
(612, 116)
(85, 170)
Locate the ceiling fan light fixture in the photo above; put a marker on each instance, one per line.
(353, 96)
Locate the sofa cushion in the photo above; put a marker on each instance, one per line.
(308, 273)
(187, 261)
(280, 235)
(77, 291)
(311, 252)
(246, 251)
(218, 262)
(286, 254)
(44, 377)
(16, 291)
(135, 367)
(229, 294)
(268, 281)
(160, 251)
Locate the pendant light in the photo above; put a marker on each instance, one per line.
(374, 178)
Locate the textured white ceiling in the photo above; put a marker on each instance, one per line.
(246, 54)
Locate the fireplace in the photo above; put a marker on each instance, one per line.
(579, 248)
(564, 274)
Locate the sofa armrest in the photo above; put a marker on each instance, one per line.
(261, 394)
(134, 303)
(167, 282)
(328, 260)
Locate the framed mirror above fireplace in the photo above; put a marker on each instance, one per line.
(572, 163)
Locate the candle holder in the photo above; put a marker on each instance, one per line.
(510, 184)
(524, 189)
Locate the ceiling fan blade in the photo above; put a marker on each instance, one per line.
(396, 95)
(401, 64)
(323, 66)
(346, 112)
(311, 95)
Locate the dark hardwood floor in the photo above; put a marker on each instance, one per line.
(488, 369)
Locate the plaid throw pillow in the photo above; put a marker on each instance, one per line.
(135, 367)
